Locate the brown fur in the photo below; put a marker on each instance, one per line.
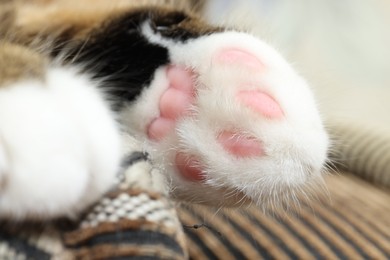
(30, 23)
(33, 23)
(40, 21)
(7, 16)
(17, 62)
(37, 16)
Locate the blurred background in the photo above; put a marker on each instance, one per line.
(342, 47)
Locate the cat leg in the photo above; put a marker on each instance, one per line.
(59, 145)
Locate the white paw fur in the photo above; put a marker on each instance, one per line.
(296, 146)
(59, 146)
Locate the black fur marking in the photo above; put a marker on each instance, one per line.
(121, 57)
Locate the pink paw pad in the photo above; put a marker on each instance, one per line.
(173, 103)
(189, 167)
(159, 128)
(235, 56)
(261, 103)
(239, 145)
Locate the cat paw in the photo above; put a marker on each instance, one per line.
(180, 96)
(229, 119)
(59, 146)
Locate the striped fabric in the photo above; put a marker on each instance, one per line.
(138, 221)
(362, 150)
(21, 241)
(352, 223)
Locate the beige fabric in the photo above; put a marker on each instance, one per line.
(352, 222)
(362, 150)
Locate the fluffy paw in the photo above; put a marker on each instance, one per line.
(229, 119)
(59, 146)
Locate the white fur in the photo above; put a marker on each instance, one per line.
(59, 145)
(139, 116)
(296, 146)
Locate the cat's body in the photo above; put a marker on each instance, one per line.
(221, 114)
